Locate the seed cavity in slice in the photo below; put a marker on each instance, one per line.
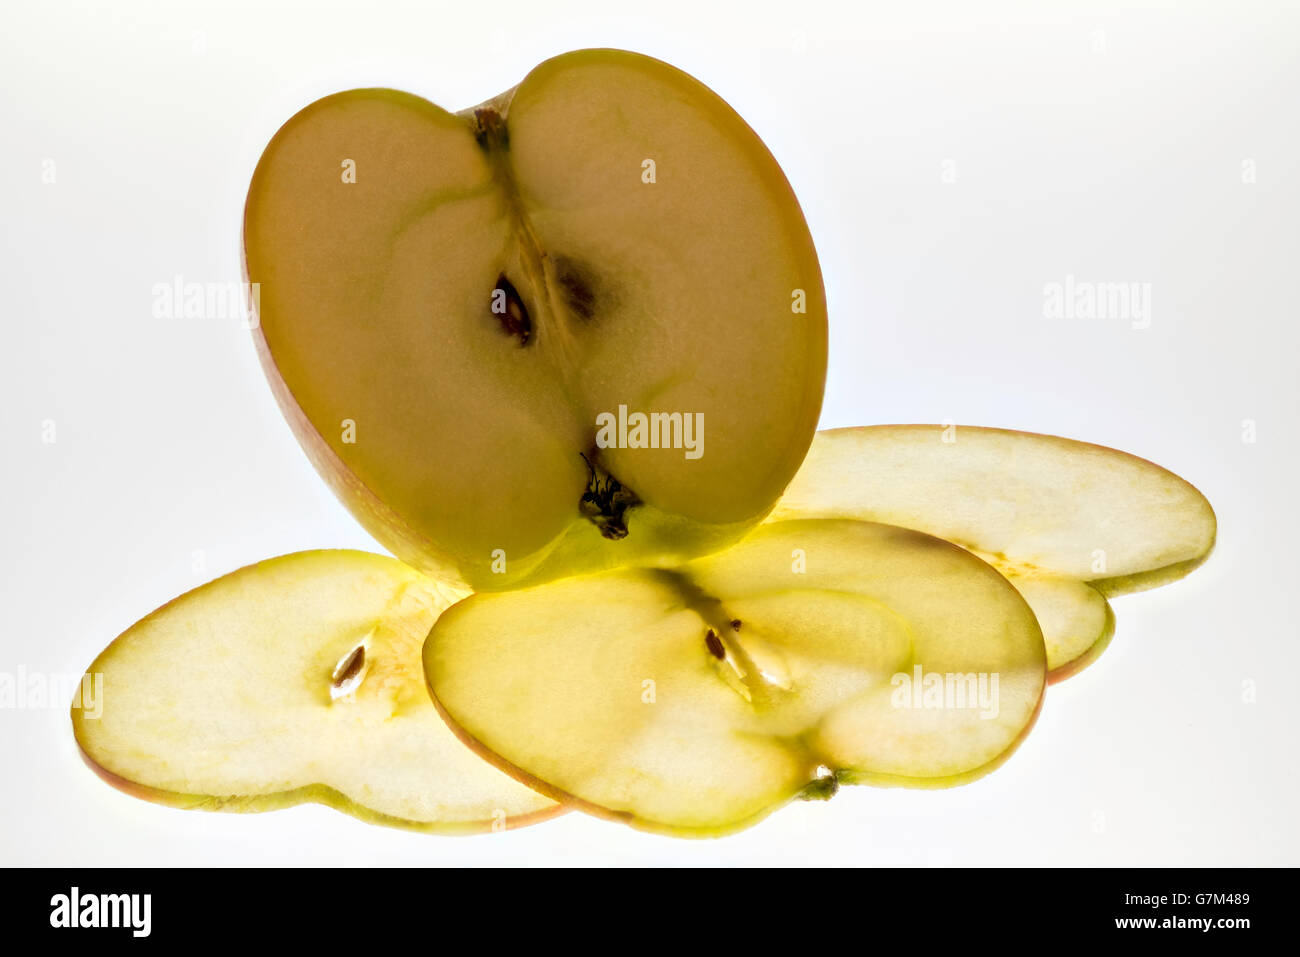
(509, 310)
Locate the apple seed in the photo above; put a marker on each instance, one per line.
(514, 317)
(348, 673)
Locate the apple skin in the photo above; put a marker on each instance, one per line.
(309, 794)
(1073, 667)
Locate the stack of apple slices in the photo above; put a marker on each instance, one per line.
(500, 335)
(1068, 523)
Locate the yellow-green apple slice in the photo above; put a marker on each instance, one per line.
(1076, 619)
(696, 700)
(293, 680)
(581, 325)
(1069, 523)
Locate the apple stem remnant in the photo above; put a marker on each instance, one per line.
(490, 127)
(605, 501)
(823, 787)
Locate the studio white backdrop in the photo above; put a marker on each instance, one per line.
(956, 163)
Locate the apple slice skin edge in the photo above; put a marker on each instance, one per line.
(1100, 638)
(1077, 664)
(310, 794)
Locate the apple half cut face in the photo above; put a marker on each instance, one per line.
(294, 680)
(579, 326)
(1069, 523)
(696, 700)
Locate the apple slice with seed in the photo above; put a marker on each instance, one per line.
(578, 326)
(696, 700)
(1069, 523)
(293, 680)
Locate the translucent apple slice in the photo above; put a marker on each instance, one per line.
(578, 326)
(696, 700)
(1076, 619)
(293, 680)
(1068, 522)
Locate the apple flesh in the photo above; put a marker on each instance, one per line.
(696, 700)
(1076, 618)
(466, 316)
(294, 680)
(1069, 523)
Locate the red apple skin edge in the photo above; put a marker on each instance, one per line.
(1071, 668)
(308, 794)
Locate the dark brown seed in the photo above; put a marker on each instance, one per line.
(350, 668)
(714, 644)
(515, 320)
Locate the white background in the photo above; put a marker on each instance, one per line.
(1102, 140)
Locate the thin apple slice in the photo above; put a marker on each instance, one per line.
(293, 680)
(698, 699)
(1076, 619)
(1068, 522)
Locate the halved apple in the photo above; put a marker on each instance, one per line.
(293, 680)
(1069, 523)
(581, 325)
(696, 700)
